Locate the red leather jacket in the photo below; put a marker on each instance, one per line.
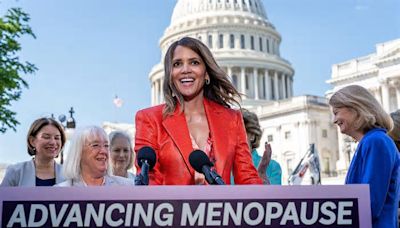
(170, 139)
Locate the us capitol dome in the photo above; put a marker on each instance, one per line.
(243, 41)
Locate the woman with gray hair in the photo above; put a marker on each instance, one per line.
(376, 160)
(87, 162)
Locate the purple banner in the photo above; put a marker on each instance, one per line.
(179, 206)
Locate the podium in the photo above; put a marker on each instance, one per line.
(186, 206)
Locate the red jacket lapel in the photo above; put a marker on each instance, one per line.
(176, 127)
(216, 123)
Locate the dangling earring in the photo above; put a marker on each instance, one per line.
(207, 81)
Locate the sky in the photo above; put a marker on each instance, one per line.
(87, 52)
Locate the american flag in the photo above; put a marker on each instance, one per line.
(118, 102)
(310, 162)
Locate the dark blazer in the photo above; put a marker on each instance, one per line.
(170, 139)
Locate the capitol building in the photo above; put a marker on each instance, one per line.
(246, 45)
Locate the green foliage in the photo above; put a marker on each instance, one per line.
(12, 26)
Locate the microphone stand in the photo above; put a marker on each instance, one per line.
(143, 177)
(212, 177)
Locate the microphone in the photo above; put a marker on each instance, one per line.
(146, 159)
(202, 164)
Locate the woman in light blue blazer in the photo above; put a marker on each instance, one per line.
(45, 140)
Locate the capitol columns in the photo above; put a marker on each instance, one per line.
(157, 91)
(284, 85)
(398, 94)
(376, 93)
(267, 84)
(243, 81)
(161, 91)
(255, 76)
(385, 95)
(153, 92)
(276, 88)
(396, 85)
(229, 71)
(342, 164)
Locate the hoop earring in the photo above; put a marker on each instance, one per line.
(207, 81)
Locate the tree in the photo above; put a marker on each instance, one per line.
(12, 26)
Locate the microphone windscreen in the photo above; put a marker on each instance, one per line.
(146, 153)
(198, 159)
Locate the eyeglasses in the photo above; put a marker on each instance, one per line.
(98, 146)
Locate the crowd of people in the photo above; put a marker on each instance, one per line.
(202, 112)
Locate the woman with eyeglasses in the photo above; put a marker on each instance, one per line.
(45, 140)
(88, 163)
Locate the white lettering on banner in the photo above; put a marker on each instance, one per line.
(330, 214)
(342, 212)
(270, 215)
(235, 216)
(290, 214)
(110, 209)
(147, 217)
(56, 217)
(260, 213)
(168, 218)
(42, 221)
(314, 214)
(18, 217)
(116, 214)
(128, 217)
(74, 216)
(188, 216)
(211, 213)
(98, 216)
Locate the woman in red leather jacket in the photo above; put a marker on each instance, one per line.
(196, 115)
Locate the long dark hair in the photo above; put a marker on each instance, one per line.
(219, 90)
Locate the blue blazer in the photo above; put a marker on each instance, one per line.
(376, 162)
(23, 174)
